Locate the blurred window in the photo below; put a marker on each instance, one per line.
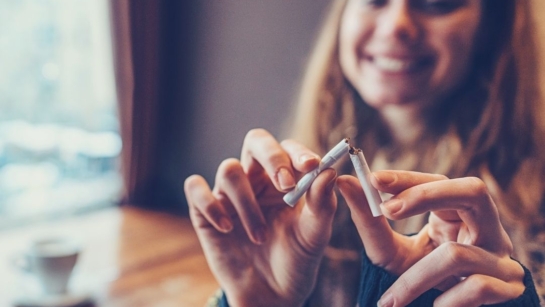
(59, 140)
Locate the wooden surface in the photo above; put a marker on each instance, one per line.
(131, 258)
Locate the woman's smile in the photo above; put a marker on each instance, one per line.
(399, 52)
(398, 64)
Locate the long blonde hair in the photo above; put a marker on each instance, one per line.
(492, 126)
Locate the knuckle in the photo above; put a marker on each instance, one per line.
(441, 177)
(479, 285)
(197, 218)
(456, 253)
(203, 199)
(403, 286)
(479, 195)
(291, 144)
(194, 217)
(191, 182)
(208, 208)
(286, 142)
(277, 158)
(422, 193)
(477, 186)
(230, 170)
(514, 271)
(256, 133)
(251, 138)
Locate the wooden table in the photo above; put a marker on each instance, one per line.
(131, 258)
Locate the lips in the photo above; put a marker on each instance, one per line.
(391, 64)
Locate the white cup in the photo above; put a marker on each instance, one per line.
(51, 261)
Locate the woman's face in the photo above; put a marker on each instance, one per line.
(407, 51)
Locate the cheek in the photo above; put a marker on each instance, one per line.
(455, 46)
(353, 36)
(348, 38)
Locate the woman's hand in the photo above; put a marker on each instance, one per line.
(463, 250)
(261, 251)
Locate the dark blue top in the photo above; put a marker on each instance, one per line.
(375, 281)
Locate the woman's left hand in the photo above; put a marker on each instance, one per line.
(463, 250)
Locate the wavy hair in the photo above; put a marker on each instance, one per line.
(491, 126)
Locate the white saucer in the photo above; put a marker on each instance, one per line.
(62, 300)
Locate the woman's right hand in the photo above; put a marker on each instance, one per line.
(261, 251)
(463, 250)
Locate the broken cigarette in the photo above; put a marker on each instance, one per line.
(363, 172)
(293, 196)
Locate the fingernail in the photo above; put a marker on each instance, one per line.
(225, 224)
(393, 205)
(260, 235)
(387, 300)
(285, 179)
(307, 157)
(385, 178)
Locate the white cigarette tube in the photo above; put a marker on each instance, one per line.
(292, 197)
(363, 172)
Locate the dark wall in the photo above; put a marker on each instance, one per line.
(245, 64)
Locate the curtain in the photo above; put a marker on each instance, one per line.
(153, 59)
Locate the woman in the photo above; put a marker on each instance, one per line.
(429, 87)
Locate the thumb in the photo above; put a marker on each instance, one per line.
(375, 232)
(316, 218)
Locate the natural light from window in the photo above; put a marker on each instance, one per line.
(59, 140)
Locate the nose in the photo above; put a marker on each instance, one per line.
(399, 22)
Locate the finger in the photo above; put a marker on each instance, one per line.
(261, 151)
(205, 209)
(375, 232)
(469, 196)
(316, 218)
(478, 290)
(449, 259)
(442, 231)
(303, 159)
(232, 182)
(395, 182)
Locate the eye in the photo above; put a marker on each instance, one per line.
(374, 3)
(438, 6)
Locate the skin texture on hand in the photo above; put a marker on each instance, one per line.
(463, 250)
(261, 251)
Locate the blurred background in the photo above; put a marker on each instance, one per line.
(204, 73)
(192, 78)
(59, 127)
(106, 106)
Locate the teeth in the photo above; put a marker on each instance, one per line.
(393, 65)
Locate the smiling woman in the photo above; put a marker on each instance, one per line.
(58, 125)
(429, 56)
(444, 98)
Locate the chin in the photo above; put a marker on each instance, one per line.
(379, 100)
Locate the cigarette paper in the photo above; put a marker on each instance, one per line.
(293, 196)
(363, 173)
